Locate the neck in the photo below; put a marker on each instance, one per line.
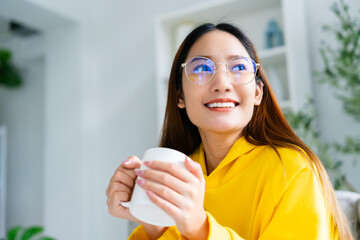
(216, 146)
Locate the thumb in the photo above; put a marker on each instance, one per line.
(132, 162)
(194, 168)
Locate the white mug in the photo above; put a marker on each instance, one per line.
(140, 205)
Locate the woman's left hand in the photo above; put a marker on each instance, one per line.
(179, 192)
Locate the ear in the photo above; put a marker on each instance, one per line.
(181, 103)
(258, 92)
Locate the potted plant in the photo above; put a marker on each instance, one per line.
(342, 67)
(9, 74)
(341, 71)
(30, 233)
(303, 123)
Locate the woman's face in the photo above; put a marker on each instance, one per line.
(220, 47)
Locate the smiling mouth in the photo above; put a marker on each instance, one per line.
(221, 105)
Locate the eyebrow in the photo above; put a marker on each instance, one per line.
(198, 58)
(211, 58)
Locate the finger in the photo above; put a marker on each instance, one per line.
(132, 162)
(116, 187)
(163, 178)
(118, 174)
(125, 174)
(129, 165)
(194, 168)
(169, 208)
(124, 178)
(116, 209)
(121, 212)
(116, 198)
(162, 191)
(171, 168)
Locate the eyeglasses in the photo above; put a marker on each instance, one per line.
(201, 70)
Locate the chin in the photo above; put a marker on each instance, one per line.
(226, 128)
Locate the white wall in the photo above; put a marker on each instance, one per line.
(98, 109)
(100, 104)
(21, 110)
(121, 64)
(334, 123)
(65, 167)
(62, 171)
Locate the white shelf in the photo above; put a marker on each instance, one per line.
(217, 10)
(275, 52)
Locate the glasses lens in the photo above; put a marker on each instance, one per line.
(199, 70)
(242, 69)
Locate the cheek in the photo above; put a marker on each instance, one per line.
(188, 92)
(247, 94)
(192, 103)
(192, 98)
(247, 103)
(192, 116)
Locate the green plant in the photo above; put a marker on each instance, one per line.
(342, 67)
(342, 61)
(9, 74)
(303, 123)
(30, 233)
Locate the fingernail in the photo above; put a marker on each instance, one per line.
(147, 163)
(139, 172)
(127, 162)
(149, 193)
(140, 182)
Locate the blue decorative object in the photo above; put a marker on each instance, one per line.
(273, 35)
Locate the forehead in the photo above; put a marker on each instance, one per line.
(218, 45)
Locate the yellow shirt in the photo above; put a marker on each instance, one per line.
(252, 194)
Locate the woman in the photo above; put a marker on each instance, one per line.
(248, 176)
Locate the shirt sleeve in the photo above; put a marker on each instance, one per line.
(139, 233)
(216, 232)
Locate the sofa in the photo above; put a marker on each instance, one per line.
(350, 203)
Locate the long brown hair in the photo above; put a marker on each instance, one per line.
(267, 126)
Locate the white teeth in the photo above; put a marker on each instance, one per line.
(221, 105)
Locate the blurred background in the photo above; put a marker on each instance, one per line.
(83, 86)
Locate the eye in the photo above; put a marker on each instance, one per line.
(201, 68)
(239, 68)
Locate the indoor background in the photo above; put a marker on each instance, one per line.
(94, 74)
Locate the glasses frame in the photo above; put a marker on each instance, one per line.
(257, 66)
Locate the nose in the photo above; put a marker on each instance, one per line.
(221, 81)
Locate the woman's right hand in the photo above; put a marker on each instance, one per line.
(121, 187)
(120, 190)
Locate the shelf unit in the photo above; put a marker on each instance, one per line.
(287, 66)
(274, 62)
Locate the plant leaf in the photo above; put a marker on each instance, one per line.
(5, 55)
(46, 238)
(342, 60)
(30, 232)
(12, 232)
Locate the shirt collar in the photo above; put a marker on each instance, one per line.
(240, 147)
